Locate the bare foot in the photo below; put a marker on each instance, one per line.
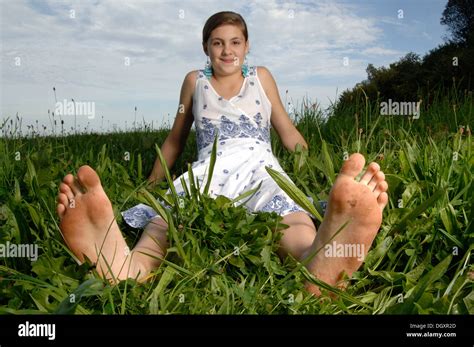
(88, 224)
(360, 203)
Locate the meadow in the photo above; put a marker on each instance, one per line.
(420, 262)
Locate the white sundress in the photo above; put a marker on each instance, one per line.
(243, 150)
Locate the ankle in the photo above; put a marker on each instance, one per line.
(143, 262)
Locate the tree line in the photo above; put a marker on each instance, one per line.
(412, 78)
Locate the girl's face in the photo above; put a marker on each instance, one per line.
(227, 49)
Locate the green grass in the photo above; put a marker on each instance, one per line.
(224, 260)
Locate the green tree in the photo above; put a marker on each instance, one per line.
(411, 78)
(459, 17)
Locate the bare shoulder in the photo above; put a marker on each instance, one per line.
(266, 78)
(190, 81)
(192, 75)
(263, 74)
(268, 83)
(262, 71)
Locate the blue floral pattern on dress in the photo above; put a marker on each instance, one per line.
(138, 216)
(206, 134)
(247, 127)
(228, 129)
(277, 204)
(282, 205)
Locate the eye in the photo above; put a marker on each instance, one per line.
(237, 42)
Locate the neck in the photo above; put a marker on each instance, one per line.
(237, 76)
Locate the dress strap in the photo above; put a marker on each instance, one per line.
(200, 74)
(252, 71)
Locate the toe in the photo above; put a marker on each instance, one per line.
(88, 177)
(378, 177)
(61, 210)
(68, 179)
(380, 188)
(372, 169)
(66, 189)
(73, 184)
(354, 165)
(63, 199)
(382, 200)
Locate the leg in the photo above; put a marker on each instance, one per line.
(152, 245)
(298, 237)
(90, 230)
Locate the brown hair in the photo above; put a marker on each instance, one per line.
(221, 18)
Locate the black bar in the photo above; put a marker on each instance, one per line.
(374, 330)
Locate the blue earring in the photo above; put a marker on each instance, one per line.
(245, 68)
(208, 69)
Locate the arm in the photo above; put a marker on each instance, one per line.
(176, 139)
(289, 135)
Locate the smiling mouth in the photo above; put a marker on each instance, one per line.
(228, 61)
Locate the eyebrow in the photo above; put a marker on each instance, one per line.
(218, 38)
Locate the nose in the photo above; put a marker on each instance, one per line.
(227, 48)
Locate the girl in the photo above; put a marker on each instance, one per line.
(238, 103)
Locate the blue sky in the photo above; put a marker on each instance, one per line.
(81, 48)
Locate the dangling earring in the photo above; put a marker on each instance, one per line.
(245, 68)
(208, 69)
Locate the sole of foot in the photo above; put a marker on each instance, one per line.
(359, 204)
(87, 220)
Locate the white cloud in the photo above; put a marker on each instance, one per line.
(380, 51)
(84, 57)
